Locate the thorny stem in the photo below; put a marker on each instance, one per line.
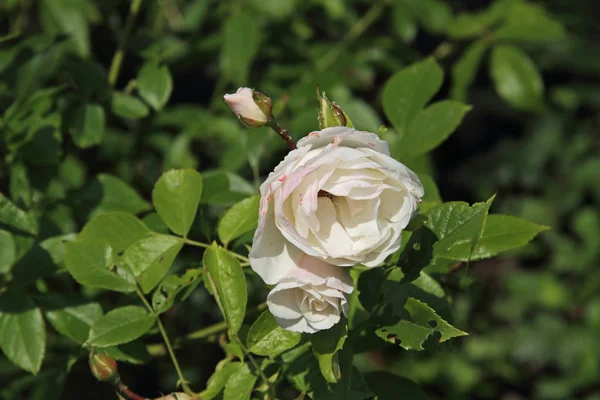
(117, 61)
(206, 246)
(161, 328)
(283, 133)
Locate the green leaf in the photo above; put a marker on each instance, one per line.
(326, 344)
(418, 253)
(267, 338)
(88, 262)
(516, 77)
(239, 219)
(434, 15)
(501, 233)
(87, 128)
(530, 23)
(127, 106)
(466, 26)
(217, 381)
(228, 285)
(67, 17)
(432, 126)
(408, 90)
(13, 216)
(223, 188)
(155, 84)
(22, 331)
(169, 289)
(8, 251)
(120, 325)
(149, 259)
(70, 316)
(108, 193)
(465, 69)
(240, 384)
(241, 38)
(176, 197)
(411, 335)
(155, 223)
(44, 259)
(387, 386)
(134, 352)
(118, 228)
(456, 222)
(404, 23)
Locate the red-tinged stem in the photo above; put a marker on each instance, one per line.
(127, 393)
(283, 133)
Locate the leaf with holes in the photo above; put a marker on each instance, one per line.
(411, 335)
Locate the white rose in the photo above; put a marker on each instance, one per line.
(311, 297)
(245, 108)
(338, 197)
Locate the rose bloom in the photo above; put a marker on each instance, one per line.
(245, 108)
(311, 297)
(340, 198)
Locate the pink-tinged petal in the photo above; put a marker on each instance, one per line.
(314, 271)
(347, 137)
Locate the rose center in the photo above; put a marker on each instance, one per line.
(323, 193)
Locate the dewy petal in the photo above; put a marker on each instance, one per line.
(348, 137)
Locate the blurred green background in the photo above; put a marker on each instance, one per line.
(91, 87)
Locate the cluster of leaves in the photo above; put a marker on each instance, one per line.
(82, 248)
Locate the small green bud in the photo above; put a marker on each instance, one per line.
(103, 367)
(330, 114)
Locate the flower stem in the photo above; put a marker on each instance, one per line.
(283, 133)
(206, 246)
(357, 29)
(124, 391)
(163, 332)
(117, 60)
(272, 395)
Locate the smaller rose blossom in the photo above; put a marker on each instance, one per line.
(246, 108)
(311, 297)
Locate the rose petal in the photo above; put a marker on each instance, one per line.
(348, 137)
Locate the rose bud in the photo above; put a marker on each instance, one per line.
(330, 114)
(252, 108)
(103, 367)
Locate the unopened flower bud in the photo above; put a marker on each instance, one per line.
(103, 367)
(330, 114)
(252, 108)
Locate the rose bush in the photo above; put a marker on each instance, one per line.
(339, 198)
